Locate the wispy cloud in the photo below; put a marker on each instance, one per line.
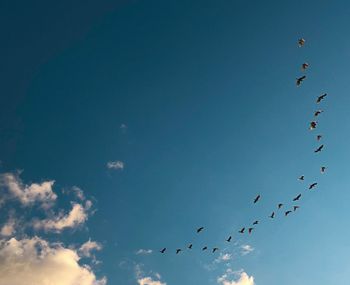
(117, 165)
(235, 278)
(246, 249)
(144, 251)
(147, 280)
(89, 246)
(8, 229)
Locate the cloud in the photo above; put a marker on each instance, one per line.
(79, 193)
(37, 262)
(9, 228)
(246, 249)
(118, 165)
(77, 216)
(86, 248)
(242, 278)
(149, 281)
(144, 251)
(29, 194)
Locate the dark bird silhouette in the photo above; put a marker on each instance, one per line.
(250, 230)
(178, 251)
(256, 222)
(320, 98)
(215, 249)
(313, 185)
(205, 248)
(304, 66)
(295, 208)
(272, 215)
(319, 148)
(163, 250)
(229, 239)
(313, 125)
(318, 112)
(242, 230)
(280, 205)
(323, 169)
(200, 229)
(297, 198)
(256, 199)
(190, 246)
(287, 213)
(319, 137)
(301, 42)
(300, 80)
(302, 178)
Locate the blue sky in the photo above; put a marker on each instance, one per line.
(197, 100)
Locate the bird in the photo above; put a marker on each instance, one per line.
(318, 112)
(304, 66)
(256, 199)
(323, 169)
(287, 213)
(178, 251)
(163, 250)
(319, 148)
(215, 249)
(205, 248)
(280, 205)
(301, 42)
(300, 80)
(272, 215)
(200, 229)
(190, 246)
(320, 98)
(229, 239)
(256, 222)
(313, 185)
(242, 230)
(319, 137)
(297, 198)
(302, 178)
(250, 230)
(295, 208)
(313, 125)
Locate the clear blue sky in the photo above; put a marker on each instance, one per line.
(207, 92)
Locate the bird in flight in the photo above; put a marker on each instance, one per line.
(280, 205)
(287, 213)
(190, 246)
(229, 239)
(313, 185)
(297, 198)
(215, 249)
(300, 80)
(256, 199)
(242, 230)
(178, 251)
(200, 229)
(319, 148)
(272, 215)
(205, 248)
(163, 250)
(295, 208)
(256, 222)
(319, 137)
(250, 230)
(323, 169)
(304, 66)
(318, 112)
(313, 125)
(301, 42)
(302, 178)
(320, 98)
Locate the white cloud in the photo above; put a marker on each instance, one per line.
(37, 262)
(29, 194)
(144, 251)
(9, 228)
(242, 278)
(77, 216)
(149, 281)
(118, 165)
(246, 249)
(86, 248)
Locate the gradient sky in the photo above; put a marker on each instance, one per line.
(198, 100)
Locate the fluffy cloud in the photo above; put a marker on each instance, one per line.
(144, 251)
(118, 165)
(241, 279)
(37, 262)
(149, 281)
(86, 248)
(29, 194)
(9, 228)
(246, 249)
(77, 216)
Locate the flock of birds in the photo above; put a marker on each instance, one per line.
(312, 126)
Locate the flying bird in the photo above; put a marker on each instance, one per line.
(302, 178)
(242, 230)
(163, 250)
(190, 246)
(320, 98)
(323, 169)
(250, 230)
(297, 198)
(229, 239)
(205, 248)
(272, 215)
(295, 208)
(301, 42)
(319, 148)
(319, 137)
(313, 185)
(287, 213)
(313, 125)
(280, 205)
(256, 199)
(300, 80)
(256, 222)
(178, 251)
(304, 66)
(215, 249)
(200, 229)
(318, 112)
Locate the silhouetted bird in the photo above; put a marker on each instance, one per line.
(190, 246)
(272, 215)
(313, 125)
(323, 169)
(297, 197)
(320, 98)
(300, 80)
(302, 177)
(205, 248)
(229, 239)
(287, 213)
(163, 250)
(242, 230)
(313, 185)
(215, 249)
(301, 42)
(319, 137)
(318, 112)
(256, 222)
(295, 208)
(280, 205)
(256, 199)
(304, 66)
(250, 230)
(200, 229)
(178, 251)
(319, 148)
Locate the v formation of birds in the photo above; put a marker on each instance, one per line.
(249, 229)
